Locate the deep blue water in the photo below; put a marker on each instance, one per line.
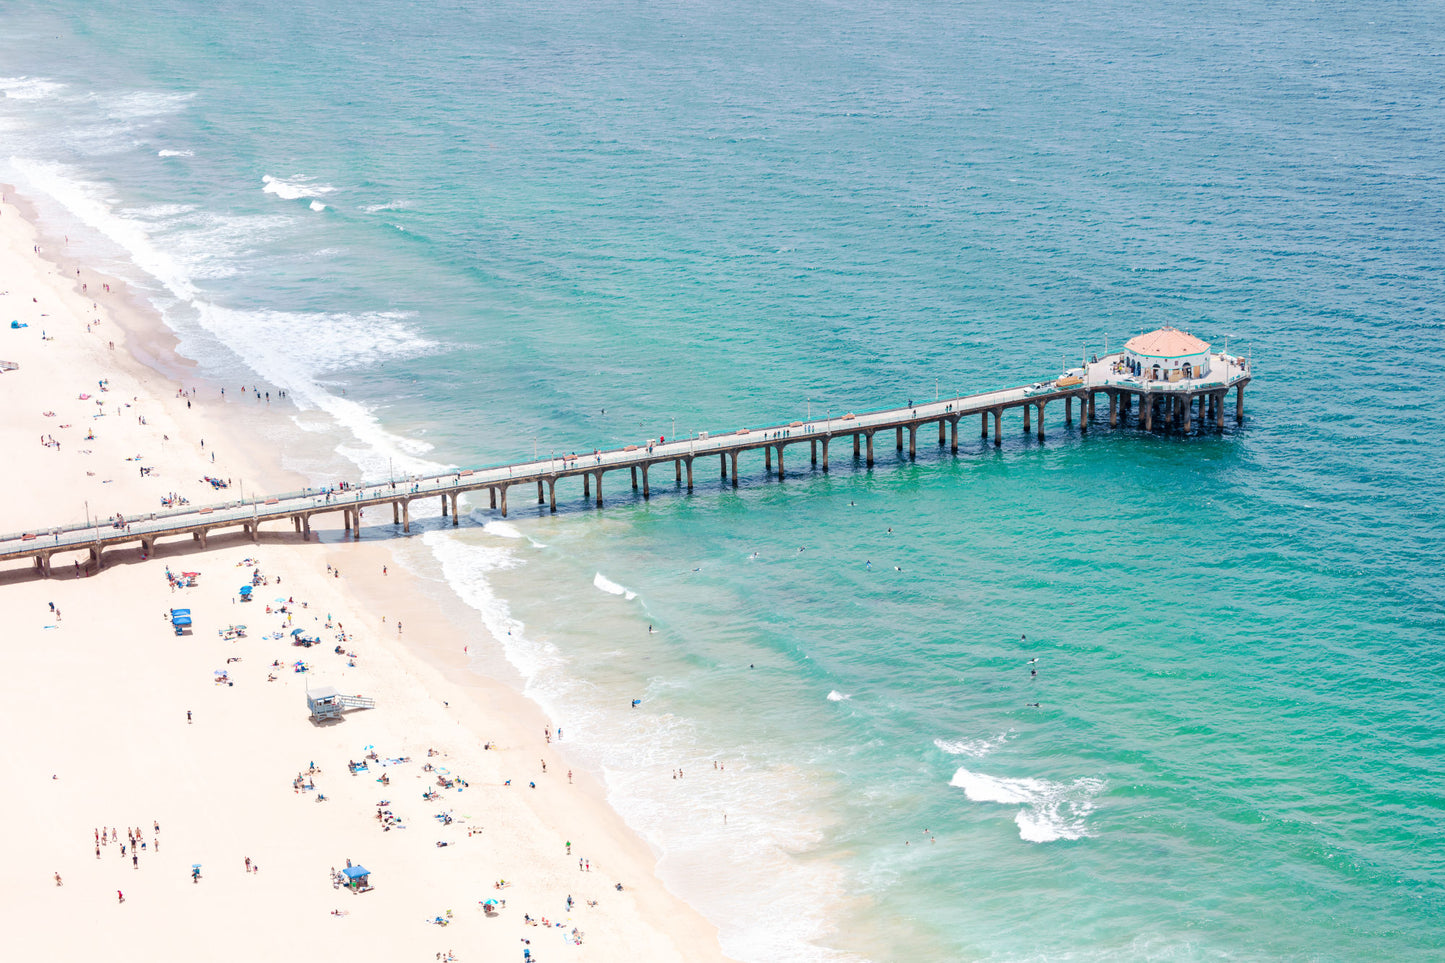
(556, 227)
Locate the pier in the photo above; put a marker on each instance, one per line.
(1162, 381)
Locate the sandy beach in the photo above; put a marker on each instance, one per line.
(225, 813)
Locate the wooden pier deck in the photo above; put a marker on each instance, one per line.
(1162, 405)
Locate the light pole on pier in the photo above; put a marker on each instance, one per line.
(935, 389)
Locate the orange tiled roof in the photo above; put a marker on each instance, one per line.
(1166, 343)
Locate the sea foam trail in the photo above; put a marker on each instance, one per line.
(612, 588)
(976, 748)
(836, 696)
(295, 188)
(1051, 810)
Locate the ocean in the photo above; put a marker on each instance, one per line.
(462, 234)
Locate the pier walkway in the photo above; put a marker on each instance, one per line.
(1161, 405)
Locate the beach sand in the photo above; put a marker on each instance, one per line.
(114, 722)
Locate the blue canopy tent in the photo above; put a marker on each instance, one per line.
(180, 620)
(358, 878)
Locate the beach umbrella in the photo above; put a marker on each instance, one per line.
(490, 902)
(295, 632)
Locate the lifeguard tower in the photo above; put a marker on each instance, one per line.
(327, 703)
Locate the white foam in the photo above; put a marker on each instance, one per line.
(296, 187)
(317, 206)
(612, 588)
(1051, 810)
(500, 529)
(29, 88)
(836, 696)
(292, 350)
(977, 748)
(175, 153)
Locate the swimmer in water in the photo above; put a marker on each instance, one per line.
(1033, 705)
(897, 569)
(1032, 661)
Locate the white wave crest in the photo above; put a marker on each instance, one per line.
(501, 529)
(1051, 810)
(29, 88)
(612, 588)
(836, 696)
(296, 187)
(317, 206)
(175, 153)
(976, 748)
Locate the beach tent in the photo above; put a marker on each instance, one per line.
(358, 878)
(245, 593)
(180, 620)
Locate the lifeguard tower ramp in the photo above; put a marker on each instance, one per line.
(327, 703)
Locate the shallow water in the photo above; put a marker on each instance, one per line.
(473, 235)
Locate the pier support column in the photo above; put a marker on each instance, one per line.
(825, 454)
(1041, 419)
(646, 490)
(1028, 412)
(346, 520)
(953, 435)
(768, 459)
(552, 494)
(813, 451)
(1092, 396)
(454, 509)
(444, 506)
(870, 448)
(1083, 417)
(1113, 409)
(599, 488)
(586, 485)
(395, 513)
(677, 470)
(1187, 403)
(735, 469)
(983, 424)
(1219, 410)
(356, 526)
(296, 522)
(898, 446)
(1146, 408)
(912, 441)
(1069, 410)
(95, 557)
(492, 493)
(997, 427)
(541, 499)
(42, 562)
(689, 474)
(504, 501)
(857, 446)
(634, 478)
(780, 463)
(1239, 404)
(724, 459)
(941, 438)
(406, 512)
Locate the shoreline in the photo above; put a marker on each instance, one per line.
(429, 686)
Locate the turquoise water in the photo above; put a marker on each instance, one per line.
(552, 228)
